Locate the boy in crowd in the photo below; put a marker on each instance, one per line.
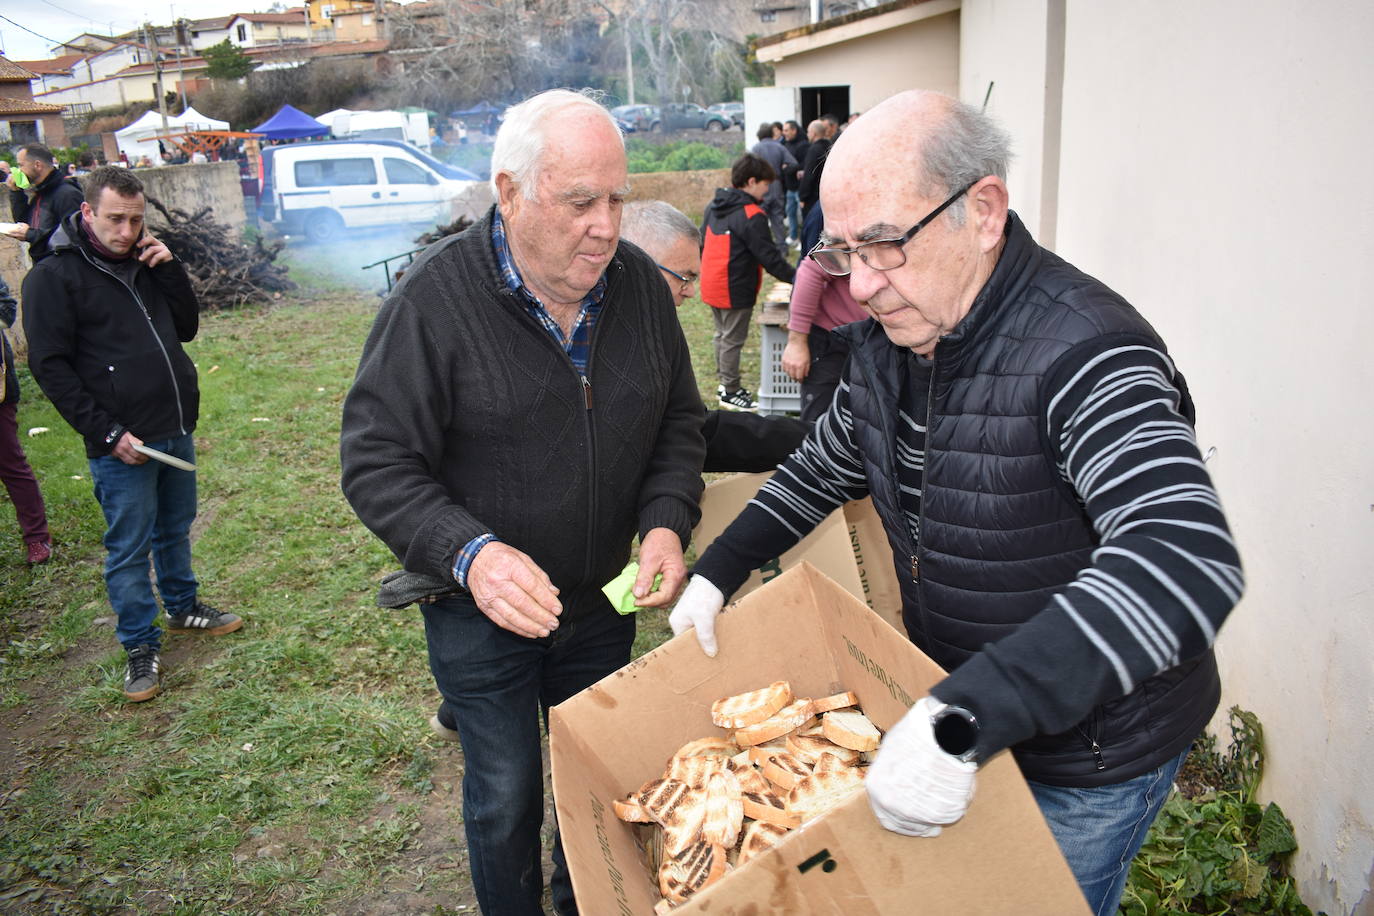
(737, 246)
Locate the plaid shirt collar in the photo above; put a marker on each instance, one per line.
(577, 344)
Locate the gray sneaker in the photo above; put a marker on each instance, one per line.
(202, 618)
(143, 675)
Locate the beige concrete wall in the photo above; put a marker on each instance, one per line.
(192, 187)
(1212, 170)
(922, 55)
(690, 192)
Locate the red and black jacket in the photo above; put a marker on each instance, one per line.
(737, 245)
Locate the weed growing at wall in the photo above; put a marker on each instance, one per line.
(1214, 848)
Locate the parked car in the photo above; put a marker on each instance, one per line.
(638, 117)
(681, 115)
(732, 110)
(320, 189)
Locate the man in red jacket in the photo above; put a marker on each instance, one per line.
(737, 246)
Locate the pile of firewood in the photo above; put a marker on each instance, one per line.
(440, 232)
(225, 272)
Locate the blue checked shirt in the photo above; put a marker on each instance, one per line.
(577, 345)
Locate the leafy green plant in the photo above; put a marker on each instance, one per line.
(677, 156)
(1214, 849)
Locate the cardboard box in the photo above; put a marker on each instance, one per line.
(802, 627)
(850, 546)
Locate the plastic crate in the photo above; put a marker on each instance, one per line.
(778, 393)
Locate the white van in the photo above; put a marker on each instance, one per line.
(320, 189)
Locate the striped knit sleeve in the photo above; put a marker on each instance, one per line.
(823, 474)
(1164, 575)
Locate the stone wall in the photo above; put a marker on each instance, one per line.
(690, 192)
(192, 187)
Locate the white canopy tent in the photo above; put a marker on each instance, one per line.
(134, 140)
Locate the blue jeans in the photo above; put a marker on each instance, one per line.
(495, 684)
(793, 209)
(1100, 830)
(148, 509)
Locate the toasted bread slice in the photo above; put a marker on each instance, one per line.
(785, 770)
(852, 729)
(678, 809)
(754, 706)
(630, 810)
(751, 780)
(663, 907)
(797, 714)
(770, 807)
(759, 838)
(695, 771)
(708, 747)
(832, 763)
(836, 701)
(819, 792)
(812, 747)
(697, 866)
(724, 811)
(759, 753)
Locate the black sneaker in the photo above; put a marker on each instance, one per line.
(737, 400)
(143, 675)
(202, 618)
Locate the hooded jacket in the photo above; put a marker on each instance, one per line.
(737, 246)
(106, 349)
(52, 199)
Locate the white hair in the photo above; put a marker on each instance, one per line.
(655, 225)
(524, 132)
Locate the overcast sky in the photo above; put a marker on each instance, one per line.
(61, 20)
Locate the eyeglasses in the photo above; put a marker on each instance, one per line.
(879, 254)
(687, 280)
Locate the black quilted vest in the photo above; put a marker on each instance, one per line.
(1001, 532)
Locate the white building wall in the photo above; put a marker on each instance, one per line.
(1213, 169)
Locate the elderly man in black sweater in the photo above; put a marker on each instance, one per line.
(525, 405)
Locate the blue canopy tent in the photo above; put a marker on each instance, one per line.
(481, 108)
(290, 124)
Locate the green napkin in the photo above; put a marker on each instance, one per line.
(620, 590)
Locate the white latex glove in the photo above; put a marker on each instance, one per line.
(701, 601)
(914, 787)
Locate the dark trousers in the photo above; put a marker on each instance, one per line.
(496, 684)
(828, 354)
(19, 479)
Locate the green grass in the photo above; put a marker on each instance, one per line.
(304, 733)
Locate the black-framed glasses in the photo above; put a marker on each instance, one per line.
(687, 280)
(879, 254)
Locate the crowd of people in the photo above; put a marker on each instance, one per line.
(1023, 432)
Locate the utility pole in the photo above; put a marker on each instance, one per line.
(150, 40)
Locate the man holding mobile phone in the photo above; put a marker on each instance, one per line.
(106, 314)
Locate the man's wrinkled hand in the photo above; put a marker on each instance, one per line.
(697, 609)
(124, 449)
(660, 552)
(513, 591)
(914, 787)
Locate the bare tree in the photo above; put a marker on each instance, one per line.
(687, 44)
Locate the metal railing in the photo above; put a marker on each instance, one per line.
(385, 264)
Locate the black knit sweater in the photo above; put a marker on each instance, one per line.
(467, 417)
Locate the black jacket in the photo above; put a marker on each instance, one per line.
(809, 190)
(798, 147)
(108, 353)
(8, 309)
(466, 418)
(53, 199)
(1001, 533)
(737, 245)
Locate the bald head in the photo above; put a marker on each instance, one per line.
(816, 130)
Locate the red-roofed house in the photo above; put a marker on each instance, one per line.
(28, 121)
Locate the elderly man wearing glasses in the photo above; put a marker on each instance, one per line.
(1028, 443)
